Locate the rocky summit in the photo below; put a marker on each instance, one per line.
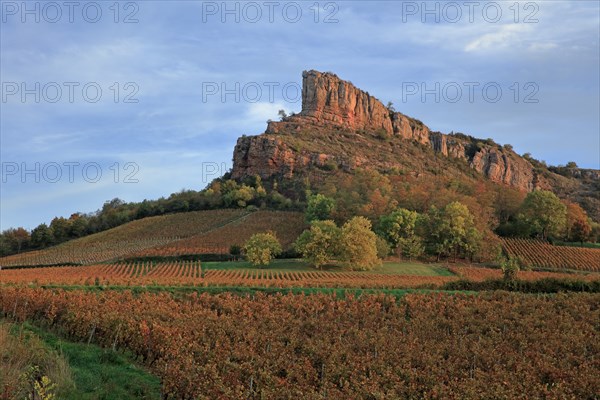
(342, 127)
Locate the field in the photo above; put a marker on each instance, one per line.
(286, 225)
(495, 345)
(228, 330)
(198, 232)
(538, 254)
(479, 274)
(281, 273)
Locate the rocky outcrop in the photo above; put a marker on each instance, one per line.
(326, 99)
(501, 167)
(408, 128)
(330, 104)
(264, 156)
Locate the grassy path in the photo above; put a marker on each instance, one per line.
(99, 373)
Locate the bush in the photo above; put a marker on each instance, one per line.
(510, 269)
(235, 250)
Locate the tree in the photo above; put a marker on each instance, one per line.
(578, 228)
(452, 231)
(320, 244)
(42, 236)
(411, 247)
(572, 165)
(78, 226)
(319, 207)
(544, 213)
(507, 203)
(61, 229)
(282, 114)
(358, 245)
(398, 228)
(383, 247)
(261, 248)
(581, 231)
(14, 240)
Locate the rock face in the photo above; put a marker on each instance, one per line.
(326, 99)
(330, 104)
(502, 168)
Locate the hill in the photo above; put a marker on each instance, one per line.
(196, 232)
(342, 129)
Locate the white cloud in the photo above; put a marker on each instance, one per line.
(505, 36)
(263, 111)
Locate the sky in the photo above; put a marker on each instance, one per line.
(141, 99)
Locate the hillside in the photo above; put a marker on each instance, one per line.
(195, 232)
(342, 129)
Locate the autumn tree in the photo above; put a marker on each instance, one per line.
(581, 231)
(545, 214)
(261, 248)
(14, 240)
(358, 245)
(319, 244)
(578, 228)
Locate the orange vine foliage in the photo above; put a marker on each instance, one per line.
(478, 274)
(538, 254)
(426, 346)
(191, 273)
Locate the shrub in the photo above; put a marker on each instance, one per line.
(510, 268)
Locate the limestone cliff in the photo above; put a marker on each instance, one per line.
(329, 102)
(343, 127)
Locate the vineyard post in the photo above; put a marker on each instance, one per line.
(114, 346)
(93, 330)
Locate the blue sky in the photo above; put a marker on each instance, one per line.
(171, 52)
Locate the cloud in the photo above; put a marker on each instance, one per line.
(260, 112)
(505, 36)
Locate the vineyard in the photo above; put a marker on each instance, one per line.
(538, 254)
(286, 225)
(167, 235)
(479, 274)
(492, 345)
(191, 273)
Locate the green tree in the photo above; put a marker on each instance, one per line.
(60, 228)
(319, 244)
(411, 247)
(383, 247)
(319, 207)
(42, 236)
(544, 213)
(399, 228)
(452, 231)
(358, 245)
(261, 248)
